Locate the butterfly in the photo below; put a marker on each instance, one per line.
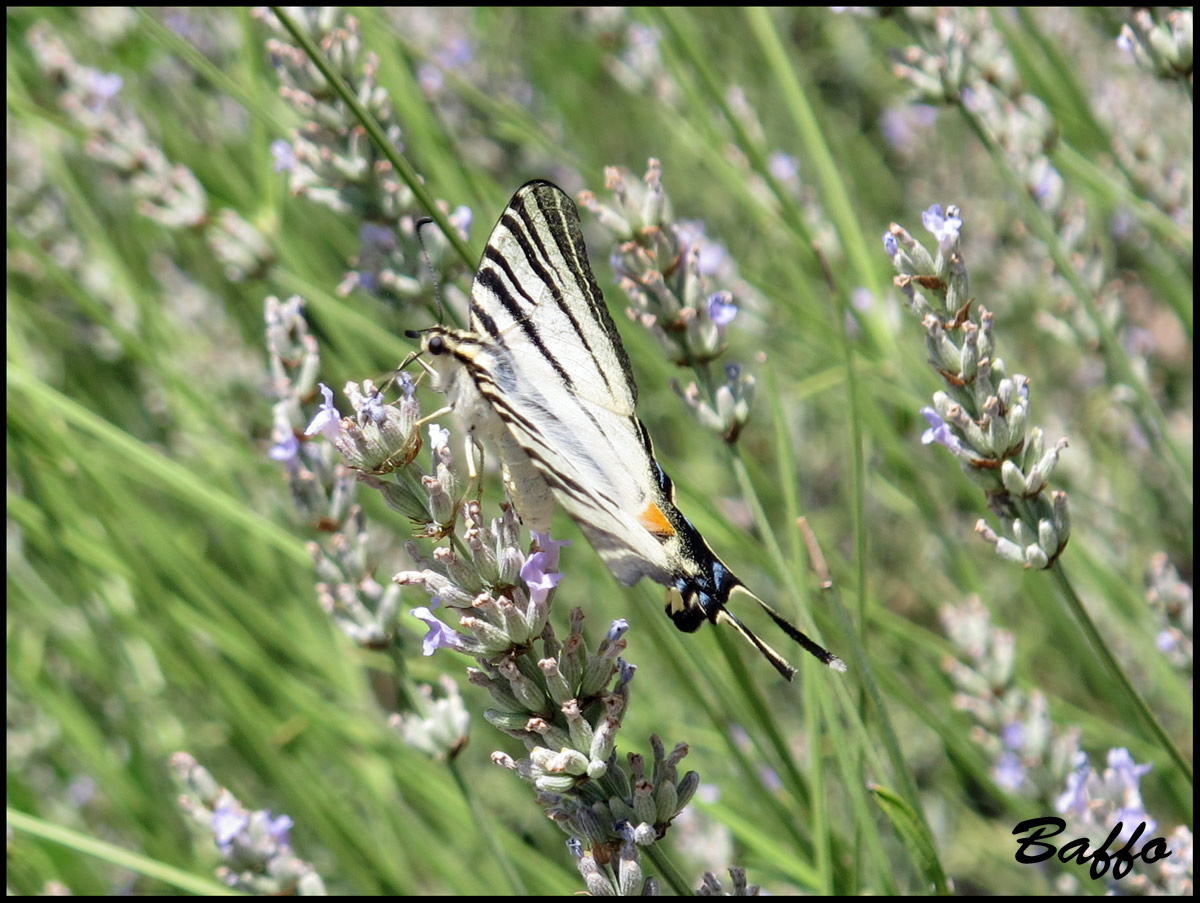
(542, 373)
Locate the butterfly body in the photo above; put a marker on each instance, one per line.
(542, 373)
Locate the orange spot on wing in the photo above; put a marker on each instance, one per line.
(653, 519)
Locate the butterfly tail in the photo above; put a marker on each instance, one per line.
(778, 661)
(815, 649)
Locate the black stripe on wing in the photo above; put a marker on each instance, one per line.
(562, 224)
(531, 438)
(524, 230)
(484, 319)
(488, 279)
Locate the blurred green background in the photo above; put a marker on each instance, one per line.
(160, 592)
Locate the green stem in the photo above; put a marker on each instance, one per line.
(860, 662)
(403, 167)
(666, 868)
(680, 28)
(1075, 604)
(817, 152)
(487, 831)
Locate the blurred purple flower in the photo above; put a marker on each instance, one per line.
(1013, 734)
(721, 309)
(285, 156)
(286, 450)
(439, 439)
(784, 167)
(862, 298)
(710, 254)
(460, 219)
(903, 127)
(890, 246)
(1126, 771)
(278, 828)
(228, 821)
(376, 237)
(102, 87)
(1008, 772)
(1074, 799)
(456, 53)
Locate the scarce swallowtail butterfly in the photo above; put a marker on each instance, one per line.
(542, 373)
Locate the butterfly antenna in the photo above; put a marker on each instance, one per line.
(437, 288)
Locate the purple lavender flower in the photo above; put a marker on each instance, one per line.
(455, 54)
(461, 218)
(540, 570)
(378, 243)
(102, 87)
(1013, 734)
(440, 636)
(549, 547)
(904, 127)
(286, 450)
(377, 237)
(890, 246)
(721, 309)
(228, 821)
(1125, 770)
(944, 228)
(939, 431)
(327, 420)
(439, 439)
(1089, 796)
(1008, 772)
(617, 630)
(284, 155)
(710, 254)
(373, 409)
(278, 828)
(784, 167)
(1074, 799)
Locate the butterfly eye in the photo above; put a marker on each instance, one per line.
(436, 345)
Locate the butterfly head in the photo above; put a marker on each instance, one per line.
(442, 354)
(434, 340)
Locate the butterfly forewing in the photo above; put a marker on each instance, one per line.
(559, 378)
(535, 276)
(543, 372)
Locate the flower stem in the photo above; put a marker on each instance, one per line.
(1075, 604)
(666, 868)
(479, 816)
